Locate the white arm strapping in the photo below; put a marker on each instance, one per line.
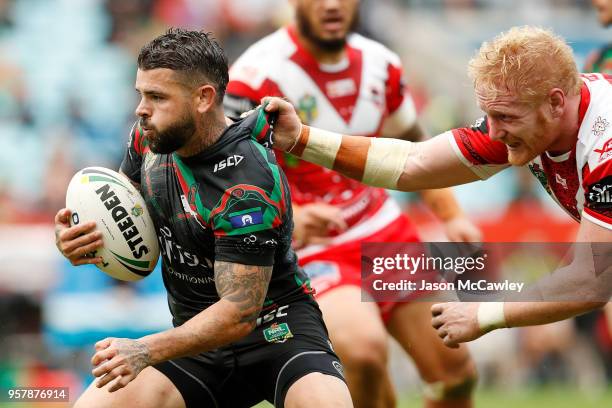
(386, 161)
(322, 147)
(491, 316)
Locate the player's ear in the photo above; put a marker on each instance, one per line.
(556, 99)
(206, 96)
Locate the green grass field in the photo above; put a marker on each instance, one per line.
(553, 397)
(556, 397)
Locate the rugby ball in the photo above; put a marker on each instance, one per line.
(130, 250)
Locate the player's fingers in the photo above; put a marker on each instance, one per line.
(442, 332)
(338, 224)
(270, 103)
(74, 247)
(331, 218)
(104, 343)
(73, 232)
(437, 309)
(318, 240)
(450, 342)
(117, 372)
(121, 382)
(86, 251)
(274, 104)
(316, 228)
(103, 355)
(107, 367)
(437, 322)
(63, 217)
(87, 261)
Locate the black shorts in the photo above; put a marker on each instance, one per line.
(291, 343)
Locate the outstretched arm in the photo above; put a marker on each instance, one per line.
(582, 286)
(389, 163)
(441, 201)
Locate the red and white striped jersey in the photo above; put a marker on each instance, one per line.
(580, 181)
(362, 95)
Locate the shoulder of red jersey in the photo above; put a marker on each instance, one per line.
(376, 49)
(477, 151)
(251, 76)
(261, 60)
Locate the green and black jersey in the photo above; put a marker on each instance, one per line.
(600, 60)
(228, 203)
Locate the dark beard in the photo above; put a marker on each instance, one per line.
(172, 138)
(325, 45)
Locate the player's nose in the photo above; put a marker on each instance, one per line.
(143, 110)
(331, 4)
(495, 131)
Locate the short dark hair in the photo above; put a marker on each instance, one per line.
(191, 52)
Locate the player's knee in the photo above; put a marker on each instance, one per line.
(87, 401)
(365, 354)
(451, 390)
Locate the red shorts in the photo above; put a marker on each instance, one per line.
(340, 265)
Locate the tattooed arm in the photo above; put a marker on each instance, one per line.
(242, 290)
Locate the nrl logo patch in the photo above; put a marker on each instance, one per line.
(307, 108)
(277, 333)
(600, 126)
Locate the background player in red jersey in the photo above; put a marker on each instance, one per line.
(351, 84)
(540, 112)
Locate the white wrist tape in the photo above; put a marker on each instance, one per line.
(386, 161)
(322, 147)
(491, 316)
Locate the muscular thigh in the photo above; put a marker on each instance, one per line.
(150, 389)
(318, 390)
(349, 320)
(410, 325)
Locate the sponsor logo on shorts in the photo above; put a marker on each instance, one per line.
(277, 333)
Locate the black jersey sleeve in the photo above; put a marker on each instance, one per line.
(251, 217)
(132, 160)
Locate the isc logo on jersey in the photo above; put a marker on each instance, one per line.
(130, 250)
(228, 162)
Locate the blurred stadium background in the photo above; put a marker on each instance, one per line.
(66, 101)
